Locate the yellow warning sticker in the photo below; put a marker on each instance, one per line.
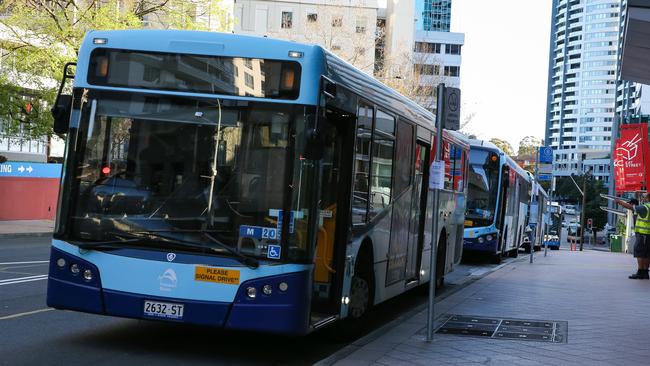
(217, 275)
(469, 223)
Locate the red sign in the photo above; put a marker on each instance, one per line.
(630, 157)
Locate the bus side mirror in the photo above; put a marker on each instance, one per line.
(314, 145)
(61, 113)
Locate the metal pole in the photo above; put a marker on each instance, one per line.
(434, 223)
(545, 241)
(582, 212)
(539, 209)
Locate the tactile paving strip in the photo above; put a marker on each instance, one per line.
(505, 328)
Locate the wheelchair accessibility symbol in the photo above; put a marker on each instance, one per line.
(273, 252)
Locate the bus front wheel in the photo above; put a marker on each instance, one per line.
(359, 297)
(361, 284)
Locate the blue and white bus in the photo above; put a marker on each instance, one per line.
(497, 202)
(242, 182)
(538, 200)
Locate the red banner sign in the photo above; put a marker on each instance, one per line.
(630, 157)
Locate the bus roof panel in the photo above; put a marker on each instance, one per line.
(207, 44)
(370, 88)
(506, 159)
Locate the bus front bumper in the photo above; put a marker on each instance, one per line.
(280, 312)
(476, 245)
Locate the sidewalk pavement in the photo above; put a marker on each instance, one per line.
(608, 317)
(18, 228)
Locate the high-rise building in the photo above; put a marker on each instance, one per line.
(433, 15)
(345, 27)
(582, 85)
(437, 51)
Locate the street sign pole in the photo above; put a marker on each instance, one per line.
(434, 225)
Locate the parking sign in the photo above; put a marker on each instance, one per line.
(545, 155)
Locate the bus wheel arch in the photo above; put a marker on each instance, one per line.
(441, 258)
(362, 284)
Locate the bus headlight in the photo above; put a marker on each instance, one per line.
(480, 240)
(267, 289)
(60, 262)
(251, 292)
(489, 237)
(88, 275)
(74, 268)
(283, 286)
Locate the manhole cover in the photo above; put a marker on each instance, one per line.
(505, 328)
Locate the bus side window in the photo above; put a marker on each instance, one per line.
(403, 153)
(381, 176)
(449, 162)
(362, 164)
(457, 168)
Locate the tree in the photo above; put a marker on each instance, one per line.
(503, 145)
(39, 36)
(528, 146)
(566, 190)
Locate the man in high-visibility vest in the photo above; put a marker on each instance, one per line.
(642, 236)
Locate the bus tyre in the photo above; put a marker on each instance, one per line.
(359, 297)
(514, 253)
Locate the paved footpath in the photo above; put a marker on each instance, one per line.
(608, 317)
(26, 228)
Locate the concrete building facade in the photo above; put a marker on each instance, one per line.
(346, 27)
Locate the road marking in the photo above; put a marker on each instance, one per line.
(13, 281)
(25, 313)
(30, 262)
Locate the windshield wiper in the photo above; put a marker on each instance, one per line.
(243, 259)
(102, 244)
(249, 261)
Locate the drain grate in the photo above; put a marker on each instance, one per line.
(505, 328)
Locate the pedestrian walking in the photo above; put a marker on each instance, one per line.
(642, 235)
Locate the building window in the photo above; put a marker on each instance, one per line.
(287, 19)
(312, 17)
(336, 47)
(424, 69)
(361, 25)
(248, 80)
(427, 47)
(453, 49)
(337, 21)
(452, 71)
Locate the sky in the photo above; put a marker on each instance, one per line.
(504, 70)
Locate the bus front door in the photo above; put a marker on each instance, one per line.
(337, 123)
(418, 212)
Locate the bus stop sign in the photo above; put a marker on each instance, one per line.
(452, 109)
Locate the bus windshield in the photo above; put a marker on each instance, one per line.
(483, 188)
(194, 171)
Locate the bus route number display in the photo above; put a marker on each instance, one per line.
(258, 232)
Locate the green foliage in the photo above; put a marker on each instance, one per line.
(567, 191)
(503, 145)
(528, 146)
(40, 36)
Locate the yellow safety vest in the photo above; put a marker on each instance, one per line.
(642, 225)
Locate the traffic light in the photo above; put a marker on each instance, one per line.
(589, 223)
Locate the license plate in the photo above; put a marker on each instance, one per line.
(163, 309)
